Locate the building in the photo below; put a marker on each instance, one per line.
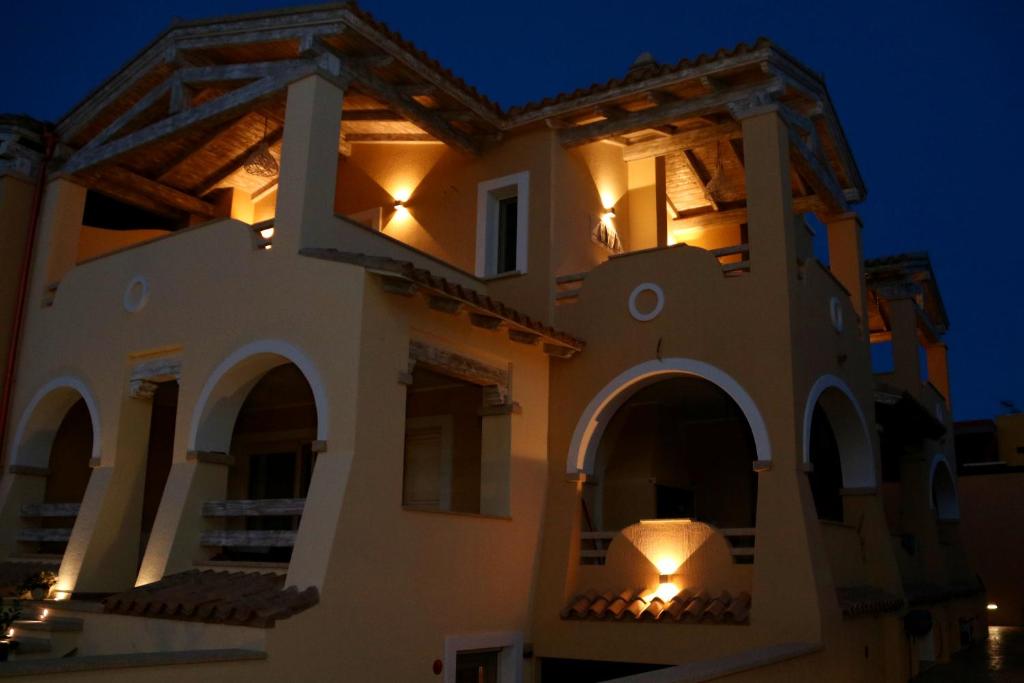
(330, 364)
(990, 462)
(913, 409)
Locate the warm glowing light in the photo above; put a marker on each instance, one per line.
(400, 208)
(10, 633)
(665, 591)
(684, 235)
(992, 606)
(44, 614)
(267, 233)
(667, 563)
(61, 595)
(609, 214)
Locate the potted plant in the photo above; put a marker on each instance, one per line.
(8, 615)
(38, 585)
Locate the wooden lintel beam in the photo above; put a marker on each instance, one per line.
(371, 115)
(162, 193)
(710, 218)
(389, 137)
(665, 113)
(214, 110)
(685, 140)
(236, 72)
(125, 194)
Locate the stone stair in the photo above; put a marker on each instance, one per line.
(40, 634)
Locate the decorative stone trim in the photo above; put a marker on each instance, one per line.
(210, 458)
(659, 302)
(29, 470)
(147, 376)
(494, 380)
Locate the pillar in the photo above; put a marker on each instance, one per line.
(905, 345)
(309, 165)
(60, 224)
(938, 370)
(846, 259)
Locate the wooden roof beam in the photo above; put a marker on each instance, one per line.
(700, 174)
(165, 194)
(236, 163)
(665, 113)
(195, 149)
(214, 110)
(400, 101)
(708, 218)
(235, 72)
(371, 115)
(815, 171)
(686, 140)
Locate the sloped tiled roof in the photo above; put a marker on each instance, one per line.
(859, 601)
(648, 71)
(440, 285)
(686, 607)
(218, 597)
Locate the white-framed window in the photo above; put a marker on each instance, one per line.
(490, 657)
(502, 225)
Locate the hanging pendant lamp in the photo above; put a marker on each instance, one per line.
(261, 162)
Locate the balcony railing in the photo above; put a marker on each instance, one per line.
(251, 538)
(594, 545)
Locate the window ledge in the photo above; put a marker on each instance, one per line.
(503, 276)
(455, 513)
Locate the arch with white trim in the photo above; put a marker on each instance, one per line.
(849, 426)
(592, 423)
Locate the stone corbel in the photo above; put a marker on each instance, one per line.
(148, 375)
(753, 105)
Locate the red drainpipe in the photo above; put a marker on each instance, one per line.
(49, 142)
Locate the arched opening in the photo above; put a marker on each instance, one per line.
(943, 494)
(56, 442)
(837, 446)
(271, 466)
(826, 473)
(677, 447)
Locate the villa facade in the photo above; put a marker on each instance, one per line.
(326, 363)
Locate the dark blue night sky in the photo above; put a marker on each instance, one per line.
(930, 95)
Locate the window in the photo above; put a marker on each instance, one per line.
(483, 658)
(502, 209)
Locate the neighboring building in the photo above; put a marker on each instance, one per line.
(913, 408)
(333, 366)
(990, 459)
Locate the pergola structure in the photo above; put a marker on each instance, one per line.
(179, 121)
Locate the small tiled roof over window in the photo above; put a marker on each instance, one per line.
(687, 607)
(218, 597)
(860, 601)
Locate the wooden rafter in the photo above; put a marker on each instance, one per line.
(236, 162)
(700, 174)
(390, 137)
(665, 113)
(705, 218)
(398, 99)
(214, 110)
(686, 140)
(817, 174)
(236, 72)
(185, 157)
(371, 115)
(165, 194)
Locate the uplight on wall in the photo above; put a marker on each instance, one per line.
(609, 214)
(400, 208)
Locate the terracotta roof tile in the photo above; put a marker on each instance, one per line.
(438, 284)
(221, 597)
(858, 601)
(686, 607)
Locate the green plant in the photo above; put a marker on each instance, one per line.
(38, 580)
(8, 615)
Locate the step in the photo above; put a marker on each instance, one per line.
(49, 625)
(52, 666)
(30, 645)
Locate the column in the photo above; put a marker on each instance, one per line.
(309, 165)
(938, 370)
(905, 354)
(846, 259)
(60, 224)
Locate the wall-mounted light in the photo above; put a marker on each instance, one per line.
(992, 606)
(267, 233)
(44, 614)
(666, 590)
(400, 208)
(609, 214)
